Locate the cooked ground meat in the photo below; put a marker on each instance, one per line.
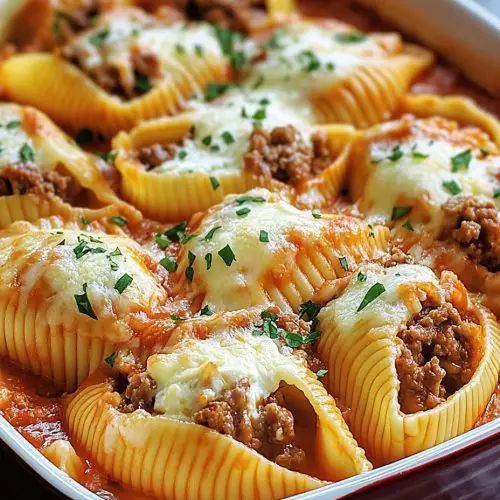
(139, 393)
(434, 360)
(396, 257)
(26, 178)
(271, 431)
(284, 155)
(233, 14)
(74, 17)
(475, 225)
(128, 81)
(153, 156)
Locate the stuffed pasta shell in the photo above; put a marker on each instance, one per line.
(236, 413)
(413, 355)
(174, 167)
(436, 179)
(127, 67)
(43, 172)
(67, 297)
(257, 249)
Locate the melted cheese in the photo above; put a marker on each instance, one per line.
(199, 371)
(239, 285)
(388, 309)
(311, 57)
(12, 135)
(422, 178)
(234, 116)
(54, 270)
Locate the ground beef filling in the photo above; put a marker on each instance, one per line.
(70, 20)
(233, 14)
(26, 178)
(128, 80)
(271, 431)
(475, 225)
(139, 393)
(156, 154)
(283, 154)
(434, 360)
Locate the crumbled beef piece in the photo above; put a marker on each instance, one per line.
(396, 257)
(434, 360)
(145, 62)
(284, 155)
(271, 431)
(475, 224)
(27, 178)
(232, 14)
(76, 17)
(139, 394)
(291, 458)
(154, 155)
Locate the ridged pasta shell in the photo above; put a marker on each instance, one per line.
(80, 103)
(372, 93)
(172, 197)
(299, 266)
(41, 328)
(362, 375)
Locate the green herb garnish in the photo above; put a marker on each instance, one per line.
(376, 290)
(123, 282)
(83, 303)
(227, 255)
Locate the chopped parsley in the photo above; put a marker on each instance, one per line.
(26, 153)
(241, 212)
(189, 273)
(396, 153)
(205, 311)
(182, 154)
(110, 360)
(142, 83)
(207, 140)
(376, 290)
(84, 221)
(321, 373)
(169, 263)
(83, 303)
(108, 157)
(119, 220)
(254, 199)
(309, 310)
(260, 114)
(258, 82)
(227, 40)
(98, 39)
(211, 233)
(214, 182)
(344, 263)
(417, 155)
(309, 61)
(496, 193)
(214, 90)
(227, 137)
(350, 37)
(177, 232)
(13, 124)
(162, 241)
(461, 160)
(398, 212)
(407, 225)
(198, 50)
(227, 255)
(208, 260)
(180, 49)
(452, 187)
(361, 277)
(123, 282)
(83, 248)
(316, 215)
(263, 236)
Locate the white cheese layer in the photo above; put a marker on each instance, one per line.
(422, 172)
(388, 309)
(310, 57)
(52, 267)
(12, 136)
(198, 371)
(222, 130)
(240, 285)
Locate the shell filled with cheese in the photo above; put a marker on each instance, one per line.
(67, 297)
(413, 356)
(346, 75)
(127, 67)
(221, 398)
(43, 173)
(256, 249)
(175, 166)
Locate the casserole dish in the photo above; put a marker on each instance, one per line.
(150, 357)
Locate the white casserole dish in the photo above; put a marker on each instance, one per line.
(471, 40)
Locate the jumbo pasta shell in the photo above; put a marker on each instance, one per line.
(175, 196)
(80, 103)
(42, 326)
(363, 375)
(372, 93)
